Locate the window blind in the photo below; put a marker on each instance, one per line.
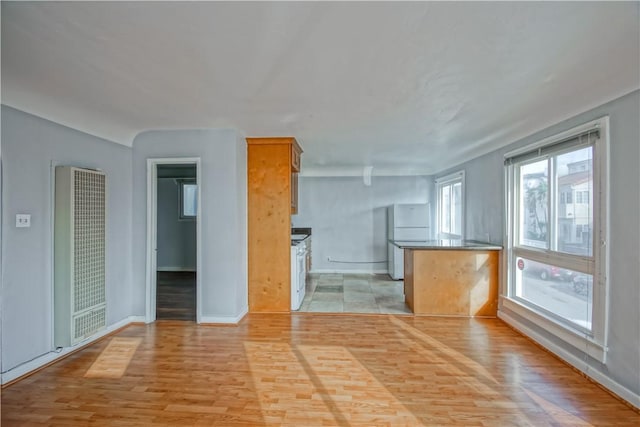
(583, 139)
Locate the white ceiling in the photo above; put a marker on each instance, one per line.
(408, 88)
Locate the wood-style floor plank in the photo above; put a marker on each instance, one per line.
(318, 370)
(176, 295)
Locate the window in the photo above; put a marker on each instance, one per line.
(450, 209)
(188, 198)
(555, 269)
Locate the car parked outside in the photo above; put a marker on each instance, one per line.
(583, 283)
(546, 271)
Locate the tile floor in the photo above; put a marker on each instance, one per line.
(354, 293)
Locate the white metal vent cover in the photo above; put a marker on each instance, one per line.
(88, 323)
(79, 255)
(89, 240)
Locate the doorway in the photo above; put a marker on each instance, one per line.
(173, 243)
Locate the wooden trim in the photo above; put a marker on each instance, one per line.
(273, 140)
(297, 146)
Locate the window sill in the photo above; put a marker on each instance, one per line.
(578, 340)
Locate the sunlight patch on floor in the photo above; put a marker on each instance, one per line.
(308, 384)
(114, 359)
(447, 351)
(557, 413)
(463, 370)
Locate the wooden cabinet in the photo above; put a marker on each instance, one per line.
(296, 153)
(270, 179)
(451, 282)
(294, 193)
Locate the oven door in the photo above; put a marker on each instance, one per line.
(302, 270)
(295, 304)
(302, 275)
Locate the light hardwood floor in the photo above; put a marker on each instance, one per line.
(312, 369)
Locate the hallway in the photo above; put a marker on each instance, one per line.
(176, 295)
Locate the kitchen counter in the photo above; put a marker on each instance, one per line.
(447, 244)
(451, 277)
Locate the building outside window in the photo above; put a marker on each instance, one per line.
(578, 180)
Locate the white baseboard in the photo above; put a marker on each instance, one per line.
(169, 268)
(338, 271)
(232, 320)
(597, 376)
(38, 362)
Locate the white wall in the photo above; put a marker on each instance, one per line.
(223, 215)
(349, 219)
(176, 237)
(30, 147)
(485, 215)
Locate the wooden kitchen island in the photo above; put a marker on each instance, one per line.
(451, 277)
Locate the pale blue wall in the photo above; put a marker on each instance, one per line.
(349, 219)
(223, 214)
(30, 147)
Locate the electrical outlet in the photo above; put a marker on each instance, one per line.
(23, 220)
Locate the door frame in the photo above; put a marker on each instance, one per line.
(152, 233)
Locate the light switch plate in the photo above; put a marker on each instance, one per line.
(23, 220)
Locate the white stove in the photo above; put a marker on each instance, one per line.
(298, 272)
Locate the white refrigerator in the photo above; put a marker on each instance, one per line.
(406, 222)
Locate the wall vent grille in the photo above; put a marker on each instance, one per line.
(89, 235)
(87, 324)
(79, 257)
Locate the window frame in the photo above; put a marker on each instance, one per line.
(181, 183)
(442, 182)
(594, 341)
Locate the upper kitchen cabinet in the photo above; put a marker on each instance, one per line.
(294, 193)
(272, 168)
(296, 153)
